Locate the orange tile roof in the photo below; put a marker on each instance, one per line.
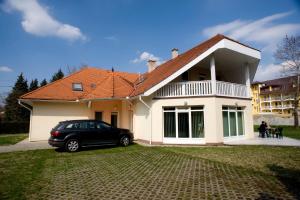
(96, 83)
(168, 68)
(108, 84)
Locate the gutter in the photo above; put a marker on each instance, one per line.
(149, 108)
(30, 122)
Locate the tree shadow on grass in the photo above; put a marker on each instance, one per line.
(288, 177)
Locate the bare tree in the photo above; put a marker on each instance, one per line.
(288, 53)
(71, 69)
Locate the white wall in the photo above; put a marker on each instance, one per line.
(141, 121)
(46, 116)
(213, 122)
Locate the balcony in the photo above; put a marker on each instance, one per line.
(266, 107)
(265, 99)
(287, 98)
(287, 106)
(203, 88)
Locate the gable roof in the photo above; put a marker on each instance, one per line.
(108, 84)
(168, 68)
(96, 83)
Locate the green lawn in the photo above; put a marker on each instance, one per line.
(138, 172)
(288, 131)
(8, 139)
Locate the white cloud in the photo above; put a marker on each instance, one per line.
(37, 21)
(145, 56)
(263, 31)
(223, 28)
(268, 72)
(5, 69)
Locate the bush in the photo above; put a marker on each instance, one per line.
(14, 127)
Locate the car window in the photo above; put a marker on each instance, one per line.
(92, 125)
(59, 126)
(77, 125)
(83, 125)
(101, 125)
(70, 126)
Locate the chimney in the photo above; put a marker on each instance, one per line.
(174, 53)
(151, 65)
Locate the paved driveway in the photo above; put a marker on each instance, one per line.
(25, 145)
(151, 174)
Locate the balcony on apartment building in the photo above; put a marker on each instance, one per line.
(224, 74)
(277, 98)
(276, 107)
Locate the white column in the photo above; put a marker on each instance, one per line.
(213, 74)
(247, 79)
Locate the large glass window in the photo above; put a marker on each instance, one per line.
(225, 124)
(240, 119)
(197, 124)
(233, 121)
(187, 122)
(169, 124)
(183, 124)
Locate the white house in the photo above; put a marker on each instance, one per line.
(201, 96)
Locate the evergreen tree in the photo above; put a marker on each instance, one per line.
(58, 75)
(43, 83)
(13, 111)
(34, 85)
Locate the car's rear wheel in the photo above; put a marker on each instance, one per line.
(72, 145)
(125, 141)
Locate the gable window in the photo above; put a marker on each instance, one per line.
(77, 87)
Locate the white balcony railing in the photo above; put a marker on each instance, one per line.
(231, 89)
(287, 106)
(266, 107)
(202, 88)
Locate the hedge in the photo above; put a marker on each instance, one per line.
(14, 127)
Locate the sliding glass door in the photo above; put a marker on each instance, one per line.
(183, 124)
(169, 124)
(187, 122)
(233, 121)
(197, 122)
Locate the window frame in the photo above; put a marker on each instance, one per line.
(236, 110)
(186, 109)
(75, 88)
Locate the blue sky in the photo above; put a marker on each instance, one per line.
(38, 37)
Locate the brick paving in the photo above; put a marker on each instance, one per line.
(154, 174)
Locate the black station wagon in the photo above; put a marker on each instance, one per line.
(82, 133)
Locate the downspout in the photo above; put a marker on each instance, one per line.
(30, 123)
(149, 108)
(131, 112)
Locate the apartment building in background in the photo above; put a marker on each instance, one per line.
(274, 96)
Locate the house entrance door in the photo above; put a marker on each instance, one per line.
(114, 119)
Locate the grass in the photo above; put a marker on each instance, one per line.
(288, 131)
(9, 139)
(150, 171)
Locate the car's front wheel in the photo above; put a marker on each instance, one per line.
(72, 145)
(125, 140)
